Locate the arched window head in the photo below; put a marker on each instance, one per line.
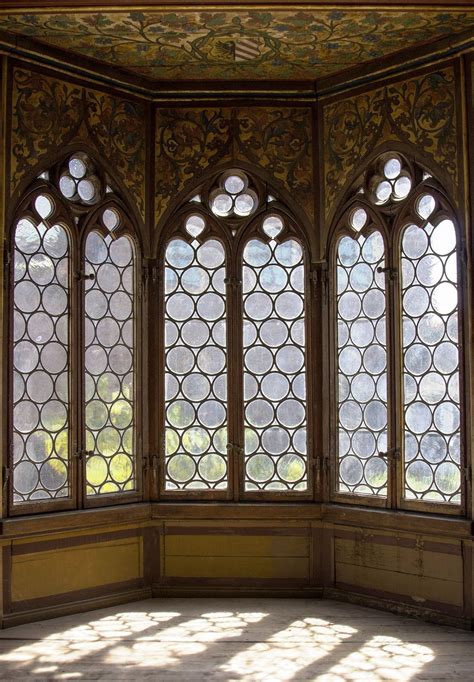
(389, 181)
(234, 309)
(232, 198)
(416, 280)
(73, 334)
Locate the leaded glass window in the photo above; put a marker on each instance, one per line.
(196, 363)
(73, 331)
(432, 450)
(41, 308)
(362, 364)
(109, 363)
(274, 362)
(235, 314)
(401, 437)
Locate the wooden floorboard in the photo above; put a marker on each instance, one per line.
(250, 639)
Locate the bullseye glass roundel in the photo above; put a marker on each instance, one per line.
(40, 358)
(195, 366)
(109, 364)
(432, 453)
(274, 366)
(362, 365)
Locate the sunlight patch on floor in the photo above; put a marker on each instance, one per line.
(275, 644)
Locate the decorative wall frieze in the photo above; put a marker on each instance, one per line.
(48, 114)
(420, 111)
(191, 141)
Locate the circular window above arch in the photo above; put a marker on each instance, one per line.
(79, 181)
(232, 196)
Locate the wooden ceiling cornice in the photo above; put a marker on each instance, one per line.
(117, 4)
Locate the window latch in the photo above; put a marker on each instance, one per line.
(83, 454)
(393, 453)
(80, 274)
(390, 272)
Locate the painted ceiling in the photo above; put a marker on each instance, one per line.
(233, 44)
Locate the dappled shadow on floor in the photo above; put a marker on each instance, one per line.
(235, 639)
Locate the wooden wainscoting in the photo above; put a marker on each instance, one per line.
(415, 564)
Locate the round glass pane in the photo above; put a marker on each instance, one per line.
(234, 184)
(195, 224)
(111, 219)
(77, 167)
(392, 168)
(272, 226)
(221, 205)
(67, 186)
(358, 219)
(244, 204)
(44, 206)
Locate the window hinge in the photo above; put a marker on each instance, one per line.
(318, 274)
(5, 476)
(234, 450)
(149, 274)
(468, 473)
(151, 462)
(321, 461)
(7, 257)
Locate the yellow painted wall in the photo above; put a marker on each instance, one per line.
(234, 556)
(57, 571)
(416, 573)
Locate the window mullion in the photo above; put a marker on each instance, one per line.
(316, 306)
(394, 380)
(235, 379)
(76, 346)
(153, 309)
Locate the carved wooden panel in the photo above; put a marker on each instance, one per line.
(48, 114)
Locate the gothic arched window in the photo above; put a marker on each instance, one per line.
(73, 330)
(234, 306)
(398, 412)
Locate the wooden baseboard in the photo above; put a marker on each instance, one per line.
(400, 608)
(80, 606)
(160, 590)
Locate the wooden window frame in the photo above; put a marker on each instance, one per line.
(392, 234)
(66, 213)
(235, 404)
